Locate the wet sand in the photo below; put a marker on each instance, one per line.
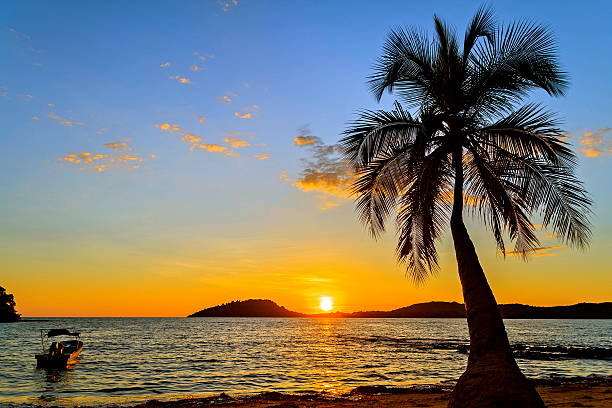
(574, 393)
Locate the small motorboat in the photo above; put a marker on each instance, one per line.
(60, 353)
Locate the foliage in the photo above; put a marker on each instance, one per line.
(7, 307)
(468, 135)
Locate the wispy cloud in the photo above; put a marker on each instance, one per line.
(35, 118)
(201, 119)
(165, 64)
(541, 251)
(215, 148)
(167, 127)
(195, 67)
(195, 142)
(181, 79)
(25, 40)
(262, 156)
(101, 162)
(225, 99)
(304, 137)
(596, 143)
(63, 121)
(227, 5)
(202, 56)
(26, 97)
(247, 113)
(19, 36)
(236, 142)
(324, 171)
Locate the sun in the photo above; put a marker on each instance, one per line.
(326, 303)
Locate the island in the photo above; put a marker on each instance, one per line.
(8, 313)
(268, 308)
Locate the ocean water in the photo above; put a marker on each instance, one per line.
(128, 360)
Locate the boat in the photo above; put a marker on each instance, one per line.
(59, 354)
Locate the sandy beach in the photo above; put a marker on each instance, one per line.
(596, 392)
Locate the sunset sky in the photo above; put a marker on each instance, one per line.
(162, 157)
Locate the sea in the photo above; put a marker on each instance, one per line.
(130, 360)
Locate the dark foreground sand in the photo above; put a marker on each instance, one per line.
(596, 392)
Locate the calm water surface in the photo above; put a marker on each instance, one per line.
(127, 360)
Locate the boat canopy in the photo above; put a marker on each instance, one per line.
(61, 332)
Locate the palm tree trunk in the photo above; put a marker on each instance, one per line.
(492, 378)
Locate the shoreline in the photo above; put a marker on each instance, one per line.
(555, 391)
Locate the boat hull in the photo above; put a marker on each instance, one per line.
(59, 361)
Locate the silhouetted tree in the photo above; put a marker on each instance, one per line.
(7, 307)
(469, 142)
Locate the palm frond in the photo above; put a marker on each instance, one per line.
(376, 132)
(522, 57)
(423, 215)
(500, 199)
(406, 63)
(529, 131)
(482, 25)
(552, 190)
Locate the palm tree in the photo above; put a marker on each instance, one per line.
(469, 142)
(7, 307)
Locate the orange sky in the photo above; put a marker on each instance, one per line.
(156, 162)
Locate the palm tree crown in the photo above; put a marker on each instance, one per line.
(469, 140)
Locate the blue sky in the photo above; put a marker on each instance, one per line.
(81, 75)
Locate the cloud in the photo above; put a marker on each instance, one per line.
(596, 143)
(201, 119)
(191, 139)
(35, 118)
(63, 121)
(102, 162)
(305, 138)
(215, 148)
(236, 142)
(118, 146)
(262, 156)
(227, 5)
(194, 141)
(195, 67)
(324, 171)
(165, 64)
(167, 127)
(326, 205)
(542, 251)
(182, 80)
(243, 116)
(248, 112)
(203, 57)
(50, 104)
(225, 99)
(26, 97)
(25, 40)
(18, 35)
(552, 236)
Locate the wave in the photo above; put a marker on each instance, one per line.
(522, 351)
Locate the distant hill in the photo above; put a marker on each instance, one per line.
(267, 308)
(247, 308)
